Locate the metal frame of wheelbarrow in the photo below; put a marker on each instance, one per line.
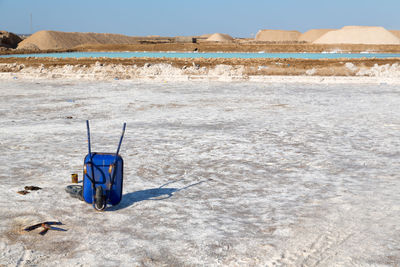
(100, 198)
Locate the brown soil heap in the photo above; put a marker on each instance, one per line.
(396, 33)
(312, 35)
(9, 39)
(277, 36)
(44, 40)
(359, 35)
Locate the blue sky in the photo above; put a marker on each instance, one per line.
(189, 17)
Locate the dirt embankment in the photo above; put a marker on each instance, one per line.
(239, 47)
(224, 47)
(260, 66)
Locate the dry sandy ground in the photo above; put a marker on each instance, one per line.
(216, 174)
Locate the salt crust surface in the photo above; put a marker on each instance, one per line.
(216, 173)
(166, 72)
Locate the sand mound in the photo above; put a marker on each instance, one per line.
(220, 37)
(206, 35)
(277, 36)
(65, 40)
(312, 35)
(358, 35)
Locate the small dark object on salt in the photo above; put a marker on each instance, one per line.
(32, 187)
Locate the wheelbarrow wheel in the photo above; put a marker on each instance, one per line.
(100, 203)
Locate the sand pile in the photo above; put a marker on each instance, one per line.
(206, 35)
(66, 40)
(312, 35)
(220, 37)
(277, 36)
(359, 35)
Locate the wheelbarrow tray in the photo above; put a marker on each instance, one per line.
(101, 162)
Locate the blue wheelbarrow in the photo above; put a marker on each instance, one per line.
(103, 176)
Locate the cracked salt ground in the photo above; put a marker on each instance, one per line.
(245, 174)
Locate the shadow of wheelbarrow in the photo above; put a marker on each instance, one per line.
(159, 193)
